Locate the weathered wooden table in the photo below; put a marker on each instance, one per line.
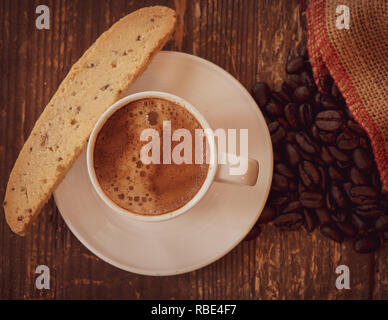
(250, 39)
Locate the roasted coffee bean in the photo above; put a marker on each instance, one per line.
(367, 243)
(290, 112)
(328, 103)
(369, 211)
(338, 196)
(314, 132)
(303, 154)
(347, 141)
(359, 223)
(382, 223)
(277, 132)
(332, 232)
(293, 196)
(289, 221)
(340, 215)
(364, 144)
(292, 155)
(305, 115)
(267, 215)
(323, 216)
(339, 155)
(261, 93)
(326, 83)
(301, 94)
(293, 206)
(317, 101)
(326, 156)
(284, 170)
(295, 77)
(347, 187)
(293, 81)
(290, 136)
(278, 135)
(279, 182)
(385, 235)
(384, 199)
(335, 93)
(309, 174)
(309, 221)
(273, 126)
(292, 186)
(289, 86)
(284, 123)
(306, 143)
(361, 159)
(330, 202)
(343, 165)
(281, 96)
(302, 50)
(347, 229)
(254, 233)
(295, 65)
(348, 112)
(292, 54)
(353, 126)
(311, 200)
(308, 80)
(277, 157)
(335, 174)
(301, 187)
(363, 195)
(329, 120)
(322, 173)
(319, 161)
(279, 201)
(357, 177)
(376, 179)
(327, 137)
(273, 108)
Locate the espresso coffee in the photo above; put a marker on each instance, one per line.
(152, 189)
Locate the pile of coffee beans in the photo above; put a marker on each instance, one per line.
(324, 173)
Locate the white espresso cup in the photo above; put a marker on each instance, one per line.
(216, 172)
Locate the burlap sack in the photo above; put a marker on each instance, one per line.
(357, 59)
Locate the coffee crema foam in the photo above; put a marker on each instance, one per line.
(152, 189)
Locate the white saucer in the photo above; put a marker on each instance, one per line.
(216, 224)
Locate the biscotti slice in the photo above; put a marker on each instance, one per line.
(94, 83)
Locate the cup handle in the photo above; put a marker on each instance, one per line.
(228, 173)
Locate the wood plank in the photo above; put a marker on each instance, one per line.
(250, 39)
(380, 275)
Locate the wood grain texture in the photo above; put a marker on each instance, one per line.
(250, 39)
